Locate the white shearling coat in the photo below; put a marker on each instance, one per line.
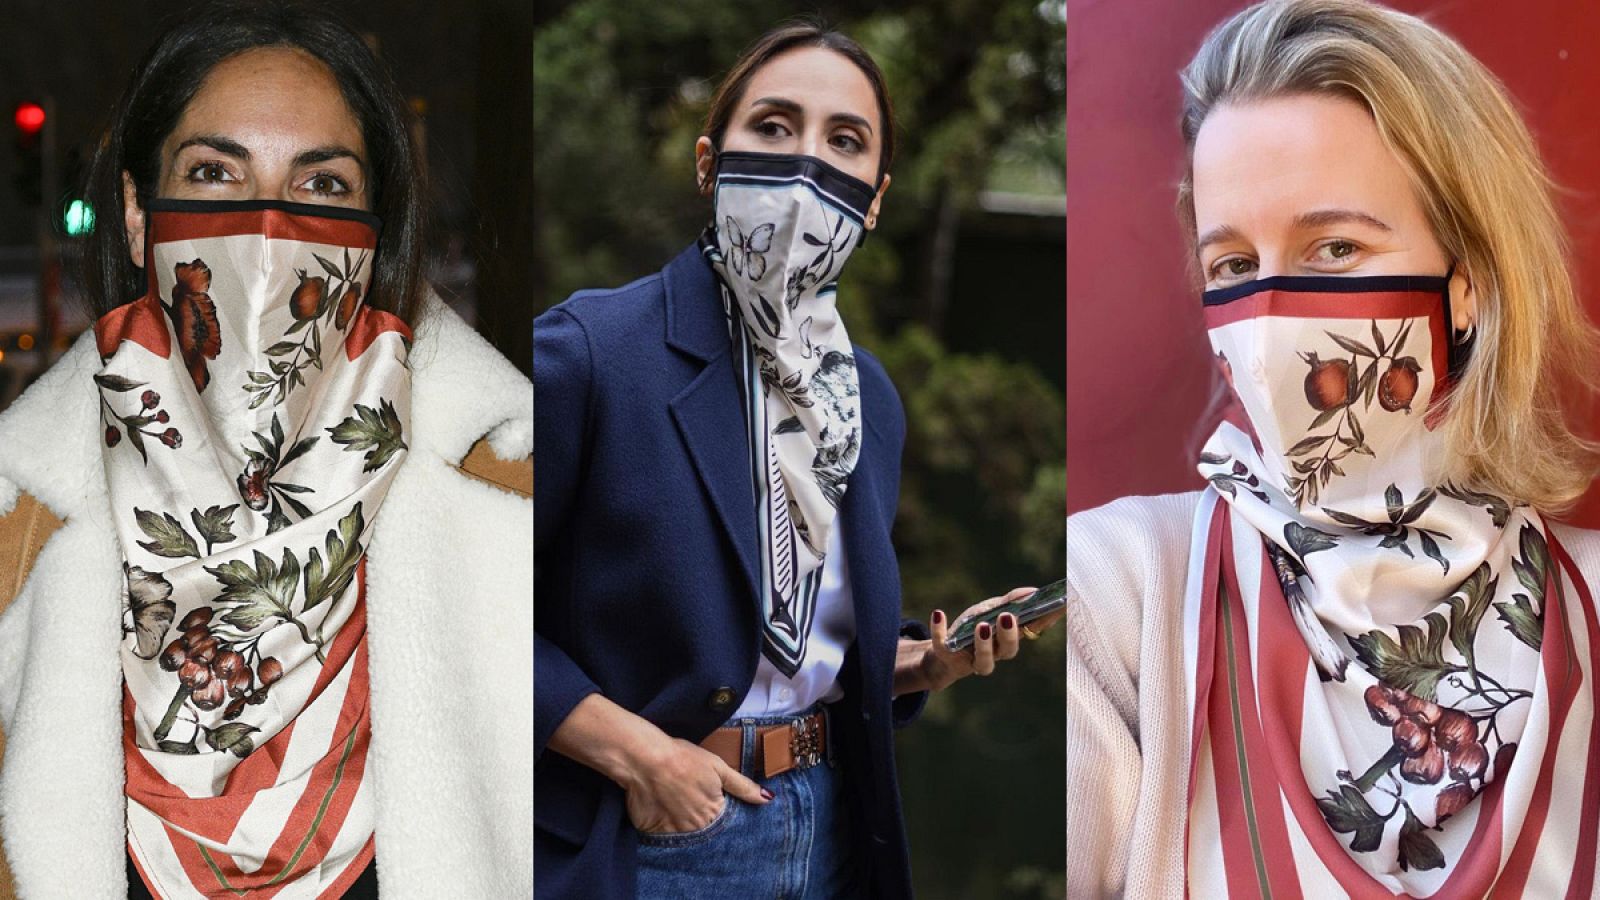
(450, 624)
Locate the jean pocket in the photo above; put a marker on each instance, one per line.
(691, 838)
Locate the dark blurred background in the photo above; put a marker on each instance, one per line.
(466, 67)
(959, 292)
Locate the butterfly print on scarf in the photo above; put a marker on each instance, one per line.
(747, 253)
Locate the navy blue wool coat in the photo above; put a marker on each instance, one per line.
(646, 566)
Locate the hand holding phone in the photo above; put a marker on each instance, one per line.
(1027, 609)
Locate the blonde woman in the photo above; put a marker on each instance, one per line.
(1362, 661)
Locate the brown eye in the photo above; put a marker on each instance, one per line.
(1341, 249)
(1238, 266)
(209, 172)
(325, 183)
(847, 143)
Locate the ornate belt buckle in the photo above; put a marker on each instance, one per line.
(804, 743)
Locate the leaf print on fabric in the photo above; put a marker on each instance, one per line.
(329, 581)
(376, 431)
(1348, 812)
(1415, 662)
(168, 537)
(312, 300)
(1229, 481)
(257, 484)
(1417, 850)
(1304, 540)
(1397, 532)
(1467, 605)
(233, 737)
(260, 591)
(1523, 614)
(1334, 390)
(1498, 509)
(215, 525)
(822, 268)
(134, 424)
(150, 610)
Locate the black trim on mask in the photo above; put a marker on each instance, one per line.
(235, 206)
(850, 193)
(1329, 284)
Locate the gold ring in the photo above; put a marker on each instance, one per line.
(1029, 633)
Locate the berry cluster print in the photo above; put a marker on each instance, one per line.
(1341, 391)
(1442, 752)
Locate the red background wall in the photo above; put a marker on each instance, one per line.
(1138, 369)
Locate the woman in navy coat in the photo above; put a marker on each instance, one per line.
(683, 747)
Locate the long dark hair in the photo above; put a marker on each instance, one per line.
(171, 74)
(790, 36)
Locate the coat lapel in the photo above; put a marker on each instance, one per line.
(709, 412)
(60, 677)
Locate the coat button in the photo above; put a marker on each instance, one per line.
(721, 700)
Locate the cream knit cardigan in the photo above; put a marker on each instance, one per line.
(1127, 741)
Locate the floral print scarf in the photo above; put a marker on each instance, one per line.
(787, 226)
(255, 410)
(1391, 675)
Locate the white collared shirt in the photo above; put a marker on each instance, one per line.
(832, 631)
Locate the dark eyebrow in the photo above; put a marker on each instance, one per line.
(323, 154)
(217, 143)
(789, 106)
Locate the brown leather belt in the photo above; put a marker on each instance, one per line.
(779, 749)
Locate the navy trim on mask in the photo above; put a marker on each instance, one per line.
(1327, 284)
(299, 209)
(852, 195)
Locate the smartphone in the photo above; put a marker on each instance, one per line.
(1027, 609)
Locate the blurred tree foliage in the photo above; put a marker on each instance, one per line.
(978, 86)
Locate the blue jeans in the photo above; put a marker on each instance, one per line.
(796, 847)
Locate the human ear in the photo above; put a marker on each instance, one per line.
(705, 163)
(877, 200)
(1463, 300)
(133, 220)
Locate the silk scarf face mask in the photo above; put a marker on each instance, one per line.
(254, 410)
(782, 230)
(1391, 675)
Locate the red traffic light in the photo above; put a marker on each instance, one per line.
(29, 118)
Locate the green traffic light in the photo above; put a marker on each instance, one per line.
(79, 218)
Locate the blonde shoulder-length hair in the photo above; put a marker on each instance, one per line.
(1488, 199)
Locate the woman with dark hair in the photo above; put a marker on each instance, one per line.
(721, 658)
(276, 444)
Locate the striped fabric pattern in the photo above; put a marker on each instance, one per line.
(302, 797)
(1259, 715)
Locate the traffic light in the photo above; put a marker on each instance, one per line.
(29, 121)
(75, 213)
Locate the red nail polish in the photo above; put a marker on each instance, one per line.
(1008, 621)
(938, 617)
(983, 631)
(766, 794)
